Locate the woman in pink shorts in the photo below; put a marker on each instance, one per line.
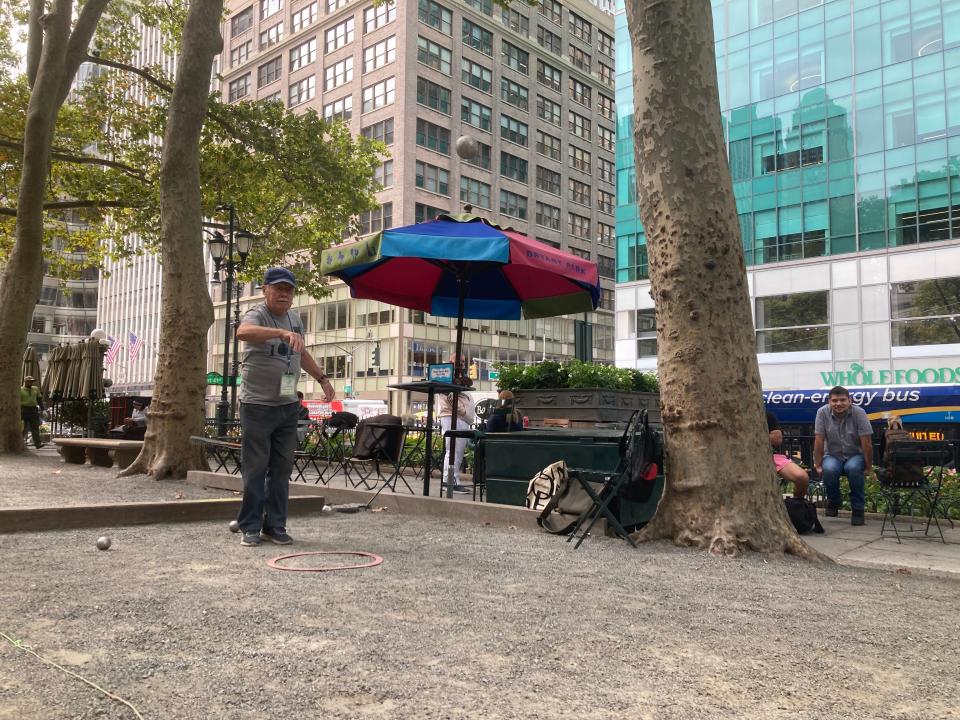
(786, 468)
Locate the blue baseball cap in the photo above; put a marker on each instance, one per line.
(277, 275)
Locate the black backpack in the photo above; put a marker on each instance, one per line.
(803, 515)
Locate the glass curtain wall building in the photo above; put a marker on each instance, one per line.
(842, 122)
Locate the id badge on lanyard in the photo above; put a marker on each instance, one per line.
(288, 381)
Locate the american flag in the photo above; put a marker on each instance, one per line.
(113, 350)
(135, 345)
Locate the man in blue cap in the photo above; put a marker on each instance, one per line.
(273, 354)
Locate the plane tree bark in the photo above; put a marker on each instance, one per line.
(56, 47)
(176, 411)
(722, 493)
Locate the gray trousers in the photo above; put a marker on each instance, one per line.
(267, 455)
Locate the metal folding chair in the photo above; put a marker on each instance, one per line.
(603, 487)
(913, 473)
(377, 443)
(314, 453)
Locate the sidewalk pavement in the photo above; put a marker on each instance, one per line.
(864, 547)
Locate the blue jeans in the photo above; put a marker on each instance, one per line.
(267, 455)
(833, 468)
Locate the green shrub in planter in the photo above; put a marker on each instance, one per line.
(574, 374)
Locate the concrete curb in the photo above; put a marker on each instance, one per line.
(16, 520)
(479, 513)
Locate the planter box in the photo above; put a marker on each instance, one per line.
(585, 407)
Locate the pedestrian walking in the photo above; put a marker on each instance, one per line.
(31, 403)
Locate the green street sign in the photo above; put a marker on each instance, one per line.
(494, 374)
(347, 389)
(214, 378)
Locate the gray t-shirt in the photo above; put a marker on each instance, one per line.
(842, 435)
(264, 365)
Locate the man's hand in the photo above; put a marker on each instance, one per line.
(294, 340)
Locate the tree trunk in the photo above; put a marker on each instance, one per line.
(176, 412)
(722, 492)
(52, 67)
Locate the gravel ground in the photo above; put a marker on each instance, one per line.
(42, 479)
(461, 622)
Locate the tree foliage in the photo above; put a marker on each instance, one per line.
(296, 181)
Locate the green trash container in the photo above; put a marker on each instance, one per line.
(509, 460)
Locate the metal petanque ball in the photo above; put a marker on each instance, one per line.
(103, 542)
(467, 147)
(234, 526)
(327, 510)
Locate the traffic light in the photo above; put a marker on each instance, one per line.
(375, 356)
(473, 371)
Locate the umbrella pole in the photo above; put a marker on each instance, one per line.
(462, 282)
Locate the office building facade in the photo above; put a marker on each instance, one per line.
(534, 87)
(842, 122)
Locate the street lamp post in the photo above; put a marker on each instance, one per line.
(222, 251)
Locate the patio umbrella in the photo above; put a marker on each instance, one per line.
(31, 366)
(91, 370)
(463, 266)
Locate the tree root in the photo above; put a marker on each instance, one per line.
(159, 465)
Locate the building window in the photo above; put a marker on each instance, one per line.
(606, 299)
(606, 235)
(549, 111)
(548, 145)
(304, 17)
(579, 159)
(579, 58)
(473, 113)
(477, 76)
(383, 175)
(303, 54)
(549, 41)
(484, 6)
(271, 36)
(339, 35)
(578, 226)
(433, 179)
(551, 243)
(606, 138)
(269, 72)
(606, 266)
(513, 130)
(483, 158)
(552, 10)
(337, 74)
(238, 88)
(549, 76)
(605, 106)
(241, 22)
(925, 312)
(548, 180)
(605, 43)
(383, 53)
(302, 90)
(607, 170)
(514, 58)
(548, 216)
(433, 137)
(606, 74)
(605, 201)
(270, 7)
(423, 213)
(579, 126)
(341, 109)
(433, 55)
(273, 97)
(579, 192)
(513, 205)
(474, 192)
(433, 96)
(378, 16)
(334, 316)
(333, 5)
(580, 28)
(580, 93)
(515, 21)
(514, 94)
(436, 16)
(513, 167)
(379, 94)
(380, 131)
(580, 253)
(377, 220)
(793, 323)
(642, 325)
(477, 37)
(240, 53)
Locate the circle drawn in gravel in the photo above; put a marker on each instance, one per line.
(374, 561)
